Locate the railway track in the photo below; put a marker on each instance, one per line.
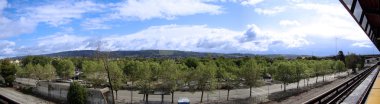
(339, 93)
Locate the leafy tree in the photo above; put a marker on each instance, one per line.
(326, 68)
(93, 72)
(27, 60)
(117, 76)
(29, 69)
(42, 60)
(8, 71)
(77, 94)
(145, 79)
(65, 69)
(250, 72)
(132, 71)
(38, 72)
(21, 72)
(339, 66)
(227, 74)
(299, 71)
(316, 67)
(230, 77)
(191, 62)
(205, 77)
(340, 56)
(285, 73)
(351, 61)
(309, 72)
(170, 77)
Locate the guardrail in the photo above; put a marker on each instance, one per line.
(5, 100)
(337, 94)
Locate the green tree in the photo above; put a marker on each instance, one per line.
(38, 71)
(132, 71)
(29, 69)
(251, 74)
(65, 69)
(191, 62)
(351, 61)
(230, 77)
(299, 71)
(326, 68)
(339, 66)
(77, 94)
(316, 67)
(42, 60)
(285, 73)
(49, 72)
(8, 71)
(170, 77)
(94, 73)
(21, 72)
(340, 56)
(145, 79)
(117, 76)
(205, 77)
(309, 72)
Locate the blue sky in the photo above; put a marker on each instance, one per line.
(31, 27)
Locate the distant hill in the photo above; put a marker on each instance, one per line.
(159, 54)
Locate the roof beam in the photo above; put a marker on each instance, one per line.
(372, 11)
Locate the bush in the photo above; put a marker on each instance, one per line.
(77, 94)
(26, 90)
(8, 71)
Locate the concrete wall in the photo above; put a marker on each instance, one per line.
(58, 91)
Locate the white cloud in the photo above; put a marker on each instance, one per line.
(6, 47)
(59, 42)
(168, 9)
(55, 14)
(62, 12)
(251, 2)
(150, 9)
(10, 28)
(362, 44)
(94, 24)
(171, 37)
(177, 37)
(289, 23)
(295, 1)
(326, 21)
(269, 11)
(202, 38)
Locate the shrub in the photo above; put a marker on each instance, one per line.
(77, 94)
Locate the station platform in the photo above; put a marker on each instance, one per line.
(374, 94)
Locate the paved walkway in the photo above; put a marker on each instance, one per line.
(22, 98)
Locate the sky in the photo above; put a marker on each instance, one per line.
(304, 27)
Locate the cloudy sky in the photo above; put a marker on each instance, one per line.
(318, 27)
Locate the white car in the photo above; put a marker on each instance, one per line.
(183, 100)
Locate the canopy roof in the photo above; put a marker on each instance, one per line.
(367, 14)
